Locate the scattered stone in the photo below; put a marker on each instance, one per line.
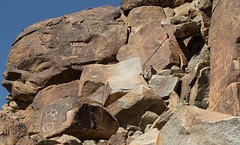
(150, 137)
(176, 69)
(107, 83)
(82, 120)
(164, 85)
(119, 137)
(191, 125)
(162, 120)
(147, 118)
(89, 142)
(173, 100)
(199, 93)
(103, 142)
(69, 140)
(129, 109)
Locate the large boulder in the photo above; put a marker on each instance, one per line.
(224, 40)
(82, 120)
(47, 52)
(155, 45)
(54, 93)
(107, 83)
(191, 125)
(127, 5)
(129, 109)
(140, 16)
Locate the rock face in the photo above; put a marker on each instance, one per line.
(107, 83)
(127, 75)
(46, 52)
(153, 45)
(191, 125)
(134, 104)
(83, 120)
(224, 40)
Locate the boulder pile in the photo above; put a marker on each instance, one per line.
(153, 72)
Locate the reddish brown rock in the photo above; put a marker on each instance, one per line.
(129, 109)
(55, 92)
(224, 40)
(107, 83)
(155, 45)
(51, 51)
(127, 5)
(191, 125)
(32, 121)
(229, 101)
(140, 16)
(82, 120)
(12, 131)
(150, 137)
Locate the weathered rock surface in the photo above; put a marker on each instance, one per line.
(130, 108)
(147, 118)
(82, 120)
(12, 131)
(138, 17)
(45, 53)
(191, 125)
(107, 83)
(54, 93)
(224, 40)
(148, 138)
(127, 5)
(163, 85)
(154, 45)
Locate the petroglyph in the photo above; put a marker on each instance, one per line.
(48, 127)
(51, 114)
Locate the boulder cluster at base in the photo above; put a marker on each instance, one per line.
(149, 72)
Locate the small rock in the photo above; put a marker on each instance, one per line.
(147, 118)
(119, 137)
(162, 119)
(176, 69)
(69, 140)
(150, 137)
(89, 142)
(164, 85)
(129, 109)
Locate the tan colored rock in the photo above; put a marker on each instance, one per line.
(89, 142)
(173, 100)
(162, 119)
(82, 120)
(12, 131)
(107, 83)
(224, 40)
(55, 92)
(191, 125)
(140, 16)
(119, 138)
(68, 140)
(164, 85)
(229, 101)
(154, 45)
(129, 109)
(147, 118)
(33, 121)
(150, 137)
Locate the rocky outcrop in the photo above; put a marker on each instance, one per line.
(224, 40)
(191, 125)
(136, 74)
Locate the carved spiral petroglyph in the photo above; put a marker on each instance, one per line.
(48, 127)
